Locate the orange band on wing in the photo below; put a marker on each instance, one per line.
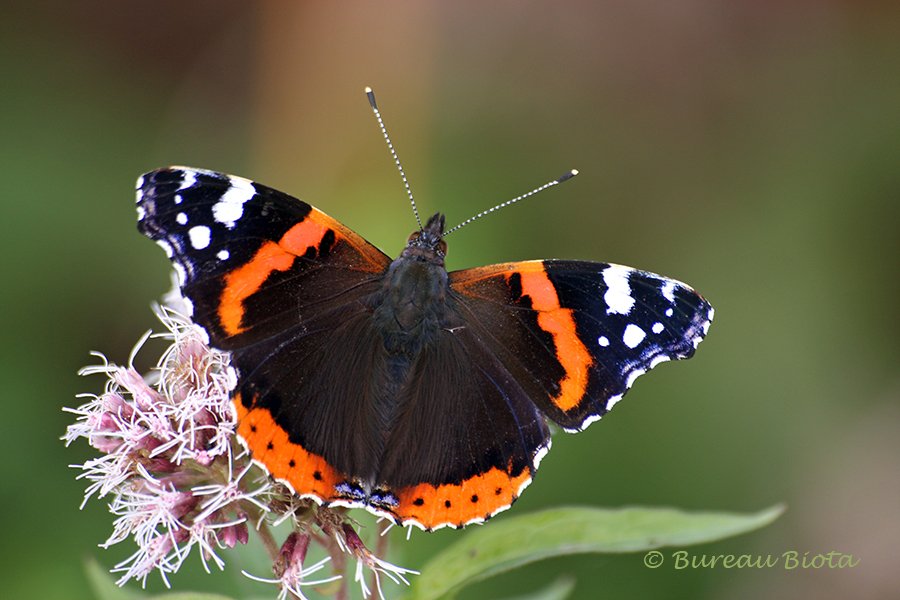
(560, 323)
(476, 498)
(304, 235)
(245, 281)
(307, 473)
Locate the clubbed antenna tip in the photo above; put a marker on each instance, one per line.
(569, 175)
(371, 96)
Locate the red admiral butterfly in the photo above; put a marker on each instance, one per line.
(393, 385)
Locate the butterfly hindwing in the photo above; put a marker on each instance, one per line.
(577, 334)
(468, 440)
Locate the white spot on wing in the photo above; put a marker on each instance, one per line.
(633, 335)
(222, 255)
(230, 207)
(618, 294)
(659, 359)
(657, 328)
(709, 315)
(669, 312)
(190, 178)
(632, 376)
(141, 213)
(181, 218)
(540, 454)
(668, 291)
(613, 400)
(584, 424)
(199, 236)
(180, 273)
(165, 246)
(603, 341)
(519, 491)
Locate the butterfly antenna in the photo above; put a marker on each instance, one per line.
(371, 96)
(549, 184)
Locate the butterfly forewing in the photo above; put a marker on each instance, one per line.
(252, 260)
(577, 334)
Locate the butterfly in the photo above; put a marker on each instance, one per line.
(393, 385)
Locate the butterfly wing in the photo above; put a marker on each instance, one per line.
(280, 285)
(468, 439)
(242, 249)
(575, 335)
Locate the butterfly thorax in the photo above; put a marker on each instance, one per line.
(411, 306)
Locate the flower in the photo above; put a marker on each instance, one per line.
(177, 479)
(366, 559)
(289, 569)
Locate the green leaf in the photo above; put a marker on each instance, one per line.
(505, 545)
(104, 586)
(558, 590)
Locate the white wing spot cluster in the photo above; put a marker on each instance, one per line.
(618, 292)
(230, 207)
(646, 353)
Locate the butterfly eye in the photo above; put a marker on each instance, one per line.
(442, 247)
(413, 236)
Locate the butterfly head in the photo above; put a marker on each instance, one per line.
(427, 244)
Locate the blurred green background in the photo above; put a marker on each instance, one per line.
(749, 148)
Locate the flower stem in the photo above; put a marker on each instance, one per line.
(254, 514)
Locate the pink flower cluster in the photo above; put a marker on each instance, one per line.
(177, 478)
(166, 457)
